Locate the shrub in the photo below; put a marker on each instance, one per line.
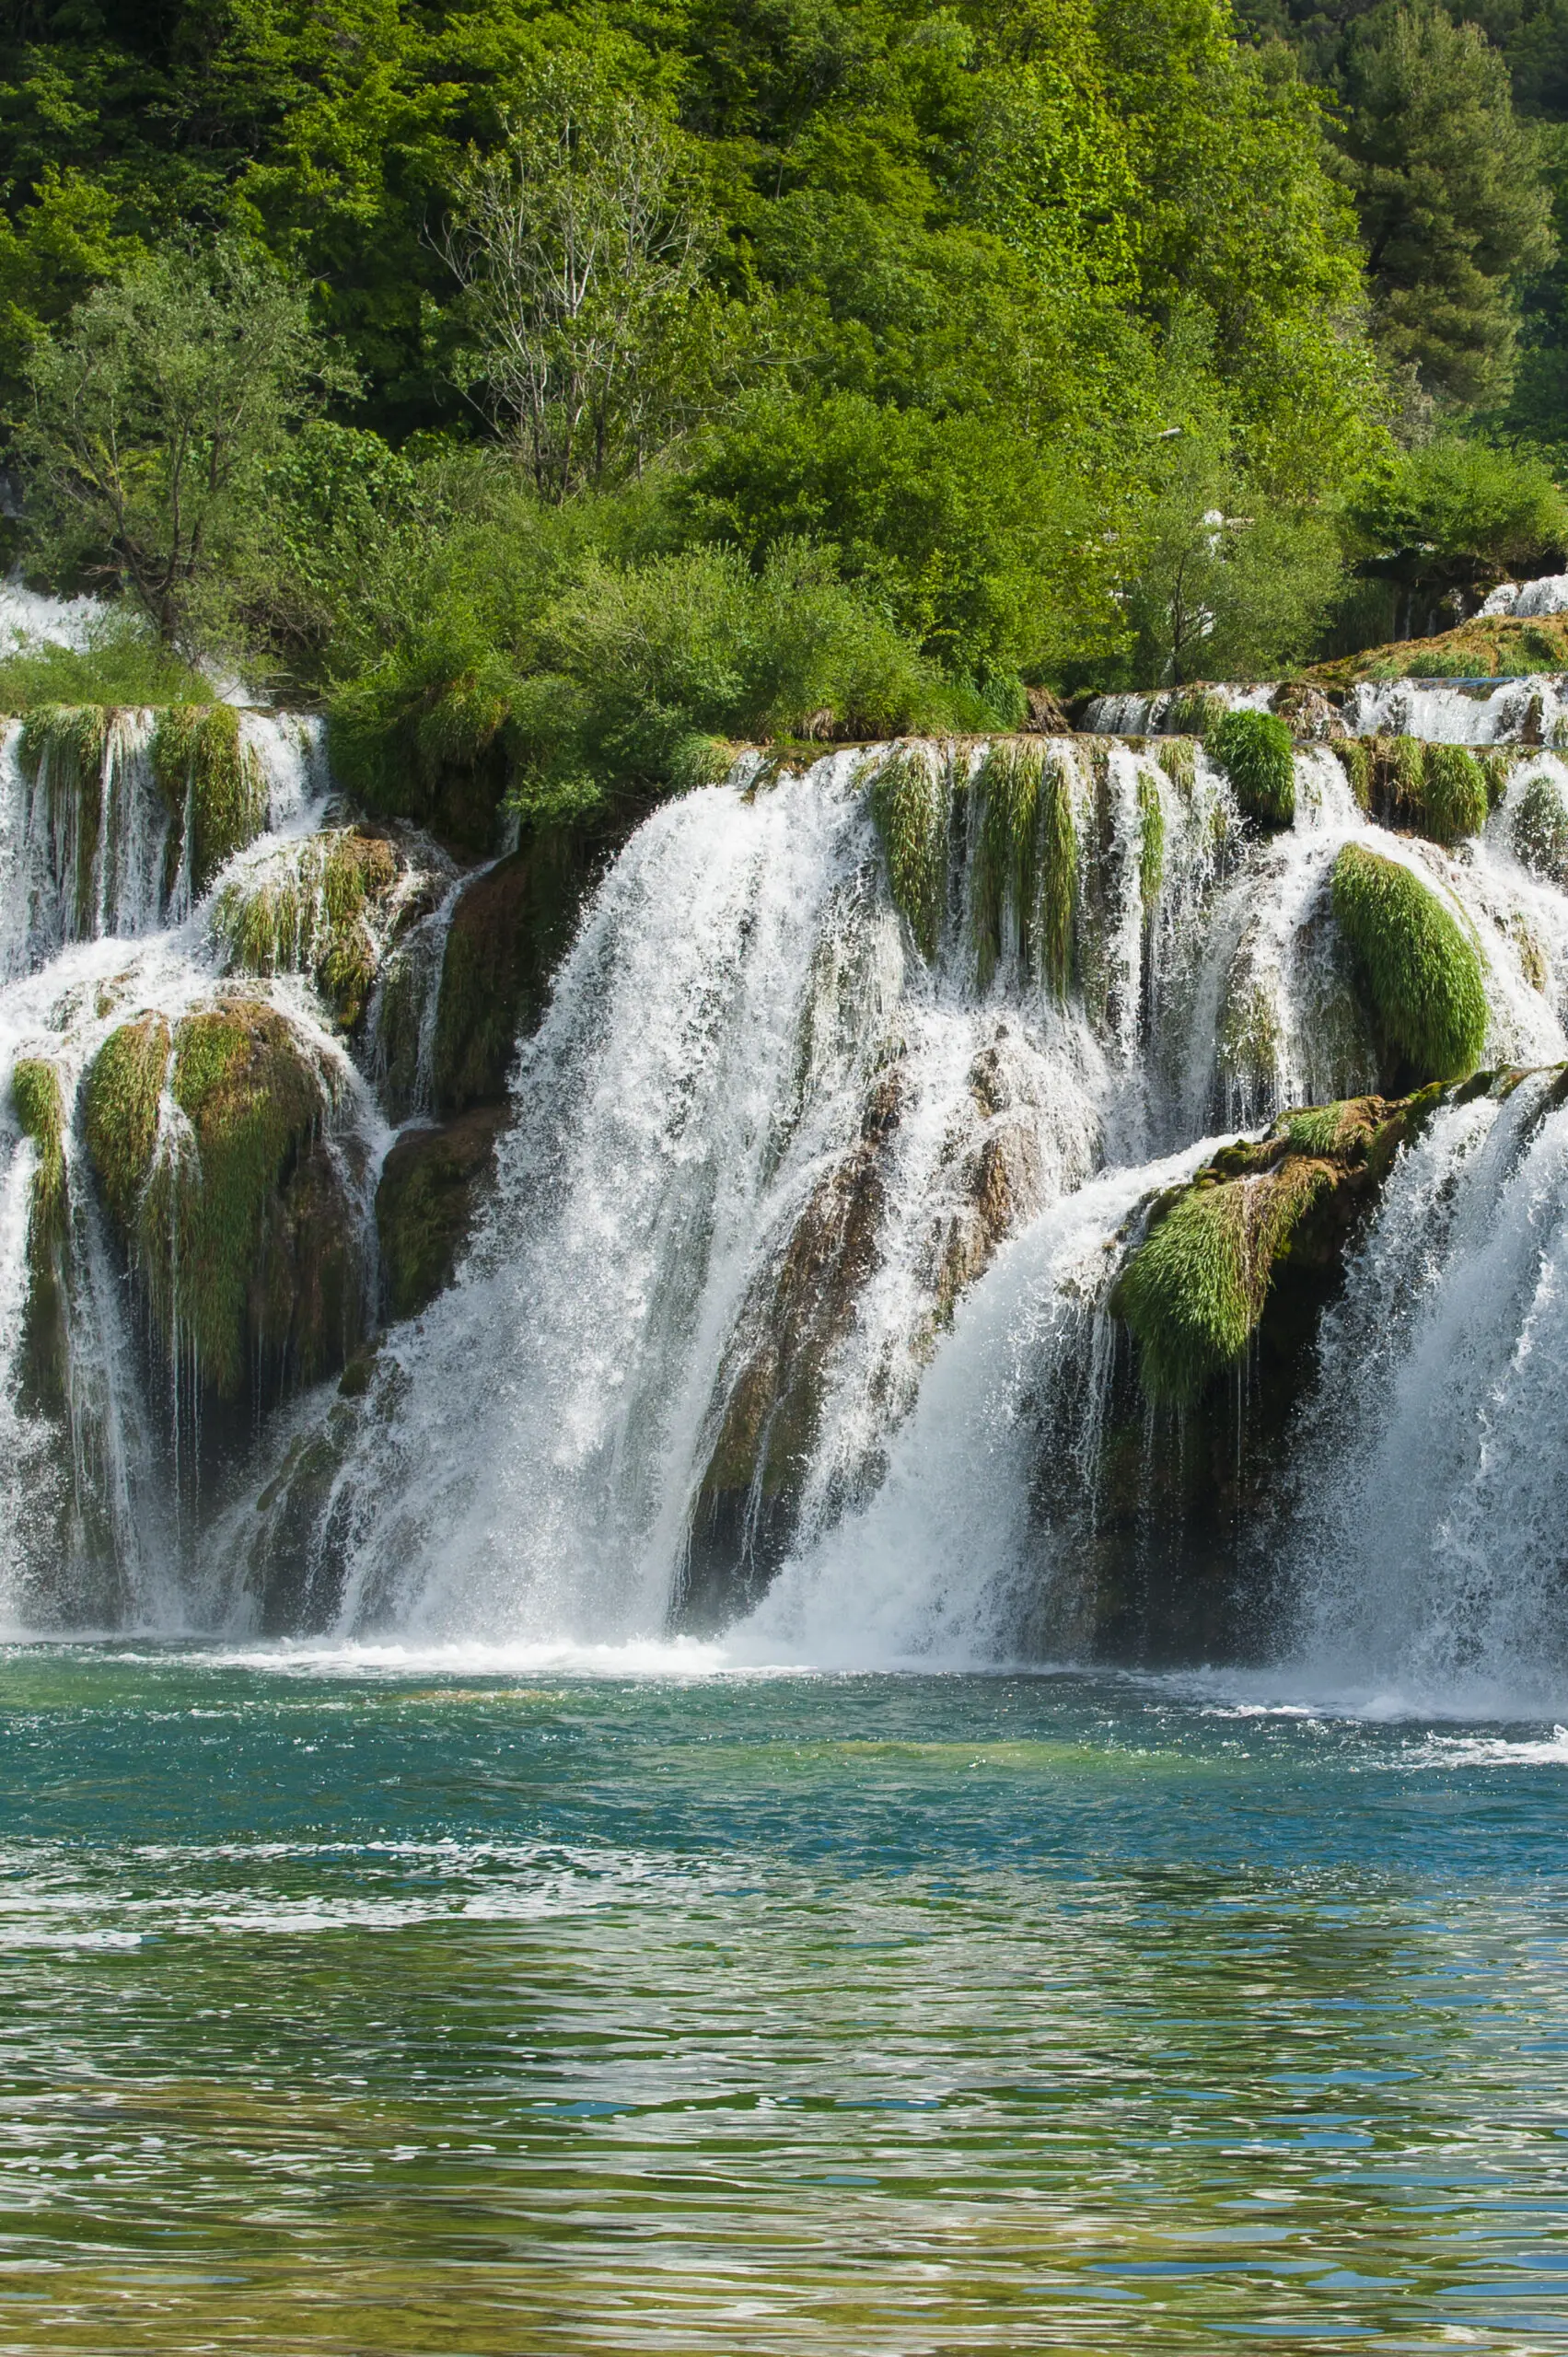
(1254, 749)
(1422, 978)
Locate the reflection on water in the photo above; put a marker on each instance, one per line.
(382, 2010)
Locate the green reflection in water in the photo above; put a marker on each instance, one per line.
(366, 2012)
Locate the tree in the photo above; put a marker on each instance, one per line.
(155, 408)
(579, 256)
(1451, 516)
(1451, 194)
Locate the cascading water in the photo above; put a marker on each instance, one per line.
(788, 1307)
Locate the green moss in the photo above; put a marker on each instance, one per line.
(1058, 901)
(425, 1204)
(1007, 851)
(1454, 797)
(1540, 829)
(211, 783)
(1194, 1290)
(1178, 756)
(911, 798)
(1344, 1129)
(123, 1084)
(1254, 749)
(307, 913)
(1355, 758)
(1423, 979)
(1404, 768)
(1496, 768)
(1194, 712)
(1151, 839)
(40, 1109)
(226, 1261)
(62, 751)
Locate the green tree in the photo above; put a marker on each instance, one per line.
(1452, 515)
(155, 407)
(1451, 193)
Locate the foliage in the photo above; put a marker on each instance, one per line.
(1454, 512)
(153, 410)
(122, 663)
(1255, 750)
(308, 910)
(40, 1110)
(1421, 975)
(1449, 189)
(124, 1083)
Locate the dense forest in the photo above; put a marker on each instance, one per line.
(554, 394)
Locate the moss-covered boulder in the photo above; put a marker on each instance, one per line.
(213, 784)
(320, 908)
(38, 1098)
(431, 1186)
(235, 1215)
(1257, 754)
(1194, 1291)
(1540, 829)
(1420, 972)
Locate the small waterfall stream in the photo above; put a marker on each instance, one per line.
(786, 1308)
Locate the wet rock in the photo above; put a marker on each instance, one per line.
(770, 1396)
(431, 1186)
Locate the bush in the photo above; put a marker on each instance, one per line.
(1421, 976)
(122, 663)
(1540, 831)
(1254, 749)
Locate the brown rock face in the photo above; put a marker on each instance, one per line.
(769, 1398)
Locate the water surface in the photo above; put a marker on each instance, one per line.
(370, 2006)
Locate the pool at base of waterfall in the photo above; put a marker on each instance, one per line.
(367, 2000)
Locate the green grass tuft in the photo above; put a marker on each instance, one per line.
(1422, 978)
(305, 912)
(1178, 756)
(1193, 712)
(122, 663)
(1454, 797)
(1254, 749)
(1007, 853)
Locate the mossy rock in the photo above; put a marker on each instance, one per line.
(1256, 751)
(509, 929)
(38, 1094)
(430, 1188)
(313, 912)
(1194, 1292)
(124, 1086)
(1540, 829)
(233, 1213)
(1420, 975)
(213, 784)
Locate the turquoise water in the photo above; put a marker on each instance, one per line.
(397, 2006)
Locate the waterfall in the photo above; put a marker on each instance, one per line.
(785, 1307)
